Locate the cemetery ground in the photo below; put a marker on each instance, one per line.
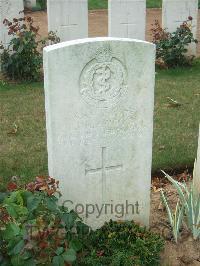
(176, 118)
(23, 143)
(23, 138)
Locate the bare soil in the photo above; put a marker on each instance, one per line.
(98, 23)
(186, 251)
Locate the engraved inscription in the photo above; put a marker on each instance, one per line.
(103, 80)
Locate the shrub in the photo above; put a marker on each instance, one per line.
(22, 60)
(172, 48)
(190, 206)
(122, 243)
(34, 229)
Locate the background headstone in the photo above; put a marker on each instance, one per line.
(127, 18)
(68, 18)
(196, 174)
(174, 12)
(9, 9)
(30, 3)
(99, 96)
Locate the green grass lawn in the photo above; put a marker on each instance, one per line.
(175, 128)
(154, 3)
(103, 4)
(98, 4)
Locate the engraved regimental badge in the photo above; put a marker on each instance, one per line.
(103, 80)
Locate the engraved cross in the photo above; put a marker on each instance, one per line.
(68, 24)
(104, 168)
(127, 24)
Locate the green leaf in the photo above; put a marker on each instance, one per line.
(178, 186)
(51, 204)
(76, 245)
(3, 196)
(69, 219)
(69, 255)
(82, 229)
(17, 261)
(11, 231)
(11, 210)
(33, 202)
(30, 262)
(58, 261)
(197, 211)
(26, 194)
(18, 248)
(59, 250)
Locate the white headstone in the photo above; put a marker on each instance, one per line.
(127, 18)
(175, 12)
(99, 96)
(30, 3)
(68, 18)
(9, 9)
(196, 174)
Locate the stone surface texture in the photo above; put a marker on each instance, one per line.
(99, 98)
(9, 9)
(127, 18)
(68, 18)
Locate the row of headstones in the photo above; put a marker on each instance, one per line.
(99, 98)
(127, 18)
(69, 18)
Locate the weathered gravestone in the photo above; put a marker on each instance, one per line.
(68, 18)
(9, 9)
(196, 174)
(127, 18)
(99, 96)
(30, 3)
(175, 12)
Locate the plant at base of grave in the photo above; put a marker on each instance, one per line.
(190, 203)
(35, 230)
(121, 243)
(51, 39)
(22, 59)
(172, 48)
(176, 218)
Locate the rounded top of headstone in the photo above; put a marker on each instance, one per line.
(93, 40)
